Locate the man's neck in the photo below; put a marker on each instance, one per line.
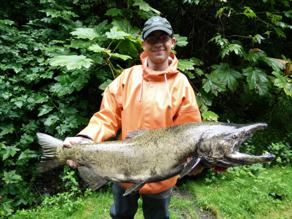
(158, 67)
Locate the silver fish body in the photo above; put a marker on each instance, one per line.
(155, 155)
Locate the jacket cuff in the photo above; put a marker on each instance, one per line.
(84, 136)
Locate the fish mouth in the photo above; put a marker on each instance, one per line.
(245, 132)
(238, 158)
(236, 139)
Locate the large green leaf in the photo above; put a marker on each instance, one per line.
(84, 33)
(45, 109)
(144, 6)
(257, 38)
(64, 14)
(248, 12)
(280, 32)
(283, 82)
(275, 64)
(105, 84)
(232, 47)
(226, 46)
(8, 151)
(181, 41)
(128, 47)
(220, 41)
(71, 61)
(6, 129)
(114, 12)
(120, 56)
(210, 116)
(212, 85)
(25, 156)
(254, 56)
(52, 120)
(288, 13)
(186, 64)
(257, 80)
(116, 34)
(224, 10)
(11, 177)
(204, 100)
(226, 75)
(125, 26)
(96, 48)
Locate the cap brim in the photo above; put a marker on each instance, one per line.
(148, 32)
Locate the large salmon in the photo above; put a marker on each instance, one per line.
(154, 155)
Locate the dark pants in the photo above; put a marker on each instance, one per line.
(125, 207)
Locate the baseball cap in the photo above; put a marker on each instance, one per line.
(156, 23)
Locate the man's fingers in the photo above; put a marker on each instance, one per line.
(67, 145)
(70, 141)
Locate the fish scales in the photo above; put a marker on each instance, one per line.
(133, 156)
(153, 155)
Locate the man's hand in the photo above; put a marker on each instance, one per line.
(70, 142)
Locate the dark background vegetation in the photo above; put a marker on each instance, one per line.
(58, 56)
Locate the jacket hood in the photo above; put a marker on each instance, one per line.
(152, 75)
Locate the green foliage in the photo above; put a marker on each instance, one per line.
(61, 205)
(210, 116)
(70, 181)
(52, 67)
(190, 67)
(250, 39)
(57, 57)
(245, 192)
(221, 77)
(282, 151)
(71, 62)
(283, 82)
(257, 80)
(84, 33)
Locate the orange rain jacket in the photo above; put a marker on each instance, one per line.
(141, 98)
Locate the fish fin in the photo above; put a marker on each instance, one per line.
(48, 165)
(49, 146)
(134, 188)
(47, 141)
(136, 133)
(189, 166)
(92, 180)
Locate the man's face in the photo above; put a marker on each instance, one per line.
(158, 46)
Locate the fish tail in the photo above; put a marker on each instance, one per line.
(49, 159)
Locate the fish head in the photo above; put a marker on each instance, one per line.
(220, 145)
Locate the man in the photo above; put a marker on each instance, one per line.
(147, 96)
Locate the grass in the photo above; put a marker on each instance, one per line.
(246, 192)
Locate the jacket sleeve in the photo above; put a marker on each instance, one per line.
(106, 122)
(188, 110)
